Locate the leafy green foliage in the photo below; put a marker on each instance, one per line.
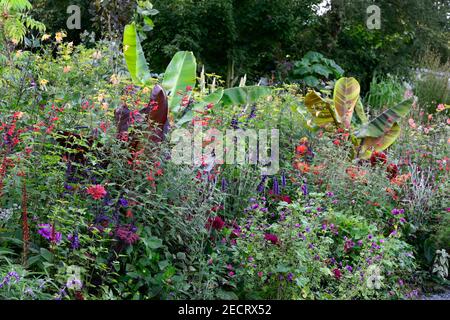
(314, 70)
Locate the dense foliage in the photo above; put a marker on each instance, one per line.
(93, 204)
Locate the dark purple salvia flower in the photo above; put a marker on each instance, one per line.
(252, 114)
(283, 180)
(74, 241)
(224, 184)
(276, 187)
(235, 123)
(290, 277)
(305, 189)
(123, 202)
(260, 187)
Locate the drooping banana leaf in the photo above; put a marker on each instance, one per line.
(321, 110)
(346, 95)
(371, 144)
(377, 127)
(212, 98)
(180, 74)
(134, 56)
(244, 95)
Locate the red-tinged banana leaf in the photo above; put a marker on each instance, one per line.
(370, 144)
(158, 113)
(321, 110)
(346, 95)
(377, 127)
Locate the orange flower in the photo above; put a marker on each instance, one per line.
(401, 180)
(356, 173)
(301, 149)
(303, 167)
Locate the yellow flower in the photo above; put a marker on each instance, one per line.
(97, 55)
(104, 106)
(146, 90)
(19, 53)
(43, 82)
(115, 79)
(59, 36)
(45, 37)
(100, 97)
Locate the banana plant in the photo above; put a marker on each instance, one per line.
(346, 111)
(180, 79)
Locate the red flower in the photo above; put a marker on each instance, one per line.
(337, 273)
(97, 191)
(378, 157)
(217, 223)
(286, 199)
(392, 171)
(301, 149)
(271, 237)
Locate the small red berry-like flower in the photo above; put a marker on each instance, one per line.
(378, 157)
(97, 191)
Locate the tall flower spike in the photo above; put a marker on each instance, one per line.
(276, 187)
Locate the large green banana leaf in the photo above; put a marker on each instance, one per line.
(244, 95)
(180, 74)
(134, 56)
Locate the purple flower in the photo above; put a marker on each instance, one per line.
(283, 180)
(224, 185)
(7, 279)
(290, 277)
(74, 241)
(48, 232)
(349, 268)
(305, 189)
(123, 202)
(397, 212)
(260, 187)
(276, 188)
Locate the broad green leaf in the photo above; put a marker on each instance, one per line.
(381, 124)
(134, 56)
(346, 95)
(180, 74)
(320, 109)
(321, 69)
(370, 144)
(213, 98)
(311, 81)
(244, 95)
